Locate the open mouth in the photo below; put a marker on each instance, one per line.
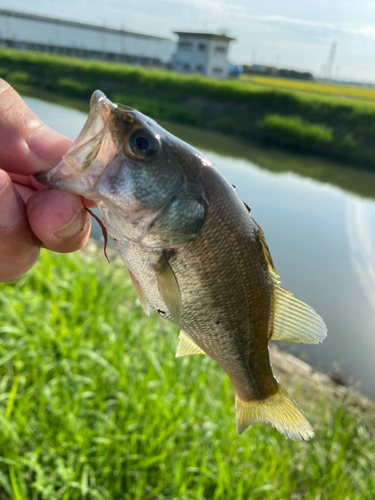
(69, 173)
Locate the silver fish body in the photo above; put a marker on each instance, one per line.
(194, 253)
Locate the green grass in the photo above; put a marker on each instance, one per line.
(94, 405)
(278, 160)
(323, 88)
(293, 131)
(235, 108)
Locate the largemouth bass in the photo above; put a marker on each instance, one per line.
(194, 253)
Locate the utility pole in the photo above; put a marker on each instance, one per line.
(331, 60)
(253, 57)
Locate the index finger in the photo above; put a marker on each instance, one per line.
(27, 145)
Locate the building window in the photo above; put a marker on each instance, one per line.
(187, 67)
(219, 49)
(202, 47)
(200, 68)
(185, 45)
(217, 71)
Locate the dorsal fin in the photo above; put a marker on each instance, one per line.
(293, 320)
(247, 206)
(266, 253)
(187, 346)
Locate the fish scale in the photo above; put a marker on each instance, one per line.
(195, 254)
(221, 296)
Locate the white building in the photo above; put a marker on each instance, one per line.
(48, 34)
(203, 53)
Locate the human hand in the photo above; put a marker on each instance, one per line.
(32, 216)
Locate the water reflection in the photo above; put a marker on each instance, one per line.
(360, 217)
(349, 178)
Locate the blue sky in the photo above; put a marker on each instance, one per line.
(292, 33)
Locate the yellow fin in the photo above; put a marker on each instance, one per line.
(140, 294)
(266, 253)
(278, 410)
(295, 321)
(187, 346)
(168, 288)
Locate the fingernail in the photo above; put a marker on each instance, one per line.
(48, 145)
(72, 227)
(10, 210)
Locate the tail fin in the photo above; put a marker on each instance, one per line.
(279, 410)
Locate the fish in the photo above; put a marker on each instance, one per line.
(195, 254)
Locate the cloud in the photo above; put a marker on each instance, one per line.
(365, 31)
(294, 21)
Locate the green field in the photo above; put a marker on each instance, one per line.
(325, 88)
(94, 405)
(308, 122)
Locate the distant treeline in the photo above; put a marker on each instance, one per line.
(281, 73)
(332, 127)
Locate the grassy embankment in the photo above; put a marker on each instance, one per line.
(329, 126)
(277, 160)
(94, 405)
(327, 89)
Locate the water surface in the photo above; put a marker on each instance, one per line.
(320, 228)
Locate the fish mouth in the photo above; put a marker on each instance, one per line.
(70, 173)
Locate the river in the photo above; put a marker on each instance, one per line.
(320, 227)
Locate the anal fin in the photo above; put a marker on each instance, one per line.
(295, 321)
(278, 410)
(140, 294)
(168, 288)
(187, 346)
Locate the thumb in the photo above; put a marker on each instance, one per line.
(27, 145)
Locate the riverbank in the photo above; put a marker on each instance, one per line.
(94, 404)
(274, 159)
(329, 126)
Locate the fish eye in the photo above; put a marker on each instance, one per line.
(143, 144)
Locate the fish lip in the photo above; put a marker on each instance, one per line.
(66, 176)
(41, 176)
(45, 176)
(100, 102)
(79, 185)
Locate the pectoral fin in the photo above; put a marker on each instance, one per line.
(140, 294)
(187, 346)
(168, 288)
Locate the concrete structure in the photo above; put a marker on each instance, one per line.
(59, 36)
(203, 53)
